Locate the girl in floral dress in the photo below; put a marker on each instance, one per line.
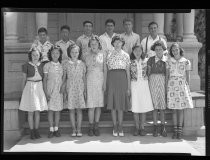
(178, 96)
(33, 99)
(141, 101)
(74, 73)
(53, 73)
(95, 77)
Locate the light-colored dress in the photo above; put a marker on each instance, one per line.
(179, 96)
(95, 78)
(33, 97)
(75, 84)
(54, 82)
(140, 94)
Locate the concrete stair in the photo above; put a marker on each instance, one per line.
(105, 123)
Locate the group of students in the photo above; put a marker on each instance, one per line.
(112, 70)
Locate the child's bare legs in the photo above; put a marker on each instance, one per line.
(155, 111)
(72, 118)
(79, 120)
(162, 116)
(91, 115)
(57, 118)
(97, 114)
(37, 119)
(120, 119)
(114, 120)
(31, 120)
(136, 120)
(142, 120)
(155, 132)
(180, 122)
(50, 119)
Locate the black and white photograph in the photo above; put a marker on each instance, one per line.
(104, 82)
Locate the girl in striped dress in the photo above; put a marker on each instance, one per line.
(157, 83)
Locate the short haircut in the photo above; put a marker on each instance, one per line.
(110, 21)
(71, 47)
(133, 57)
(95, 38)
(30, 54)
(158, 43)
(49, 54)
(65, 27)
(151, 23)
(181, 50)
(42, 29)
(127, 20)
(117, 37)
(87, 22)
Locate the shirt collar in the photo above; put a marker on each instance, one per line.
(85, 36)
(182, 59)
(164, 58)
(157, 38)
(35, 65)
(108, 35)
(71, 62)
(127, 34)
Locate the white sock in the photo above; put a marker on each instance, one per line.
(51, 129)
(56, 128)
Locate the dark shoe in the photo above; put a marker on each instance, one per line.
(136, 132)
(155, 131)
(96, 129)
(163, 131)
(50, 134)
(179, 132)
(37, 135)
(57, 133)
(32, 134)
(90, 131)
(174, 136)
(142, 132)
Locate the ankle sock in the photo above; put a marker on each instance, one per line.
(55, 128)
(51, 129)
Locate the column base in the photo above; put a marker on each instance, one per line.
(189, 38)
(195, 83)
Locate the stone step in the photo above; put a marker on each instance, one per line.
(105, 126)
(104, 116)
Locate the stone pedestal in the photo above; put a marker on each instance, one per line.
(194, 118)
(13, 120)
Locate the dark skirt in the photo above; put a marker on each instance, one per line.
(116, 93)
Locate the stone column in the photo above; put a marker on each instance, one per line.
(159, 19)
(179, 22)
(168, 21)
(41, 20)
(11, 27)
(189, 19)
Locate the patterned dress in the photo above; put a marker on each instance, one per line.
(157, 75)
(179, 96)
(54, 82)
(95, 78)
(33, 97)
(75, 84)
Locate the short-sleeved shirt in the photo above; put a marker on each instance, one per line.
(130, 41)
(64, 45)
(82, 42)
(43, 48)
(178, 67)
(150, 42)
(156, 65)
(118, 60)
(106, 42)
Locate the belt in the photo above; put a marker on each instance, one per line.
(34, 81)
